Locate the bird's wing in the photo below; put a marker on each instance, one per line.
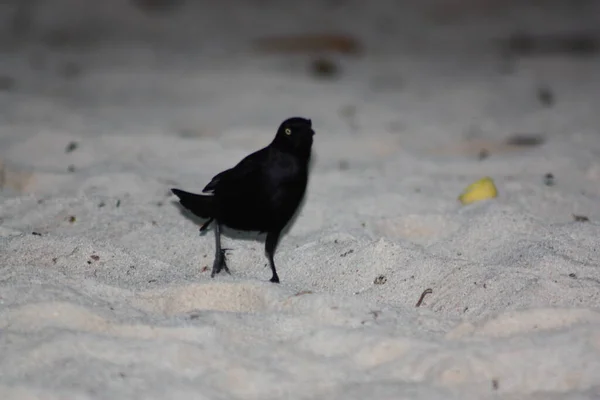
(232, 177)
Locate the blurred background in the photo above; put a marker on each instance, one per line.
(199, 67)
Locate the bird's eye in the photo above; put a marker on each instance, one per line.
(288, 131)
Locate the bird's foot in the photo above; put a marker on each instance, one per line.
(274, 279)
(220, 263)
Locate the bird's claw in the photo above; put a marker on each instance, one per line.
(220, 263)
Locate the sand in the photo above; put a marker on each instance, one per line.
(105, 288)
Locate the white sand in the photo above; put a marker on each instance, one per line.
(117, 305)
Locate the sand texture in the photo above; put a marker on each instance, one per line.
(105, 288)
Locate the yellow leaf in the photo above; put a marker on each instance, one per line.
(479, 190)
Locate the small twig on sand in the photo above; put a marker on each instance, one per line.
(425, 293)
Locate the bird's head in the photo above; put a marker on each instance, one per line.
(295, 135)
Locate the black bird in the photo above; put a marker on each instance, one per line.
(261, 193)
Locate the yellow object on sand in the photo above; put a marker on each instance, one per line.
(479, 190)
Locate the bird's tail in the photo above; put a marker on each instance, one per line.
(200, 205)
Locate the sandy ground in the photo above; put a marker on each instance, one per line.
(104, 287)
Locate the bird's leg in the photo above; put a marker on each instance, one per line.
(219, 262)
(205, 225)
(270, 245)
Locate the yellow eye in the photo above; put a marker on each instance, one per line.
(288, 131)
